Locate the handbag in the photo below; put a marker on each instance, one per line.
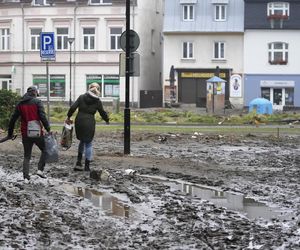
(51, 148)
(66, 136)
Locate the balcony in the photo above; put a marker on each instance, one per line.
(278, 62)
(277, 17)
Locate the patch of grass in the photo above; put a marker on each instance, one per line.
(161, 116)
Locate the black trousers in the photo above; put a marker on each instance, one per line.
(27, 146)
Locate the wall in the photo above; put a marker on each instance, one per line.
(256, 51)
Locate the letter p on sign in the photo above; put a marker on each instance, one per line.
(46, 42)
(47, 49)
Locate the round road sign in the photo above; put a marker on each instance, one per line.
(134, 41)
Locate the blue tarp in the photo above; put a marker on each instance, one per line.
(261, 105)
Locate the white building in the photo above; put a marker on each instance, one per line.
(96, 26)
(200, 36)
(271, 45)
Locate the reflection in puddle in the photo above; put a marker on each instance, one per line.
(109, 204)
(252, 208)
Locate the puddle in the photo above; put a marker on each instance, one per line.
(251, 208)
(112, 206)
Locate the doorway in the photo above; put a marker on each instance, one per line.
(279, 97)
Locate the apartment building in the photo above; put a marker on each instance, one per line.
(201, 39)
(272, 54)
(92, 56)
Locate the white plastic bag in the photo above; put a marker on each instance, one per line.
(51, 148)
(66, 136)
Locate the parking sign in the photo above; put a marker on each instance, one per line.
(47, 46)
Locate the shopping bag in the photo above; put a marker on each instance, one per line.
(51, 148)
(66, 136)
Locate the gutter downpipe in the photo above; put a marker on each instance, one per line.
(74, 51)
(23, 50)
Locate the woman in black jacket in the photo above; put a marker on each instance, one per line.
(88, 104)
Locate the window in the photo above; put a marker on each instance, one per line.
(57, 85)
(115, 34)
(265, 93)
(219, 50)
(88, 38)
(220, 12)
(111, 85)
(35, 38)
(188, 52)
(4, 39)
(152, 41)
(278, 53)
(289, 96)
(40, 2)
(62, 35)
(96, 2)
(278, 10)
(188, 12)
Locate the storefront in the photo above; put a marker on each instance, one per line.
(57, 86)
(192, 85)
(109, 83)
(280, 93)
(283, 91)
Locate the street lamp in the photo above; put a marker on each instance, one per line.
(70, 41)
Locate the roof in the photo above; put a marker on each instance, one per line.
(215, 79)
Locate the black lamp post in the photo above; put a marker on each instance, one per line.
(70, 41)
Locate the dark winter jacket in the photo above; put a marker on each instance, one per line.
(85, 120)
(29, 108)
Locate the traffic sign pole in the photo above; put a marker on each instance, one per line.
(47, 54)
(48, 90)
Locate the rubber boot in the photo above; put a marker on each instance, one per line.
(78, 166)
(79, 158)
(87, 165)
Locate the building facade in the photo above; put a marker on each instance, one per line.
(202, 39)
(94, 54)
(272, 54)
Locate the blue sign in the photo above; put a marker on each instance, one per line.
(47, 46)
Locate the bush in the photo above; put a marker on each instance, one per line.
(8, 101)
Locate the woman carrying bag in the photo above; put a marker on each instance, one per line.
(87, 104)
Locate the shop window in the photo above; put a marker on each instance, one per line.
(278, 53)
(266, 93)
(289, 96)
(4, 39)
(111, 86)
(57, 85)
(94, 78)
(188, 50)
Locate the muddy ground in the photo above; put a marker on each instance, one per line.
(212, 191)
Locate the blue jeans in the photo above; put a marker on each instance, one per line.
(87, 147)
